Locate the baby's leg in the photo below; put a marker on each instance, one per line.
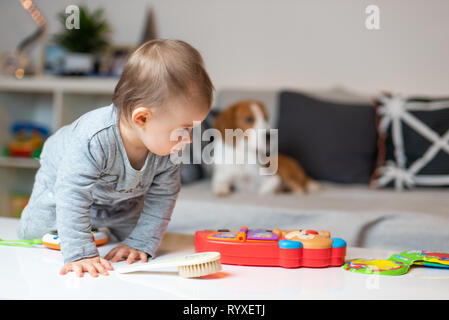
(39, 216)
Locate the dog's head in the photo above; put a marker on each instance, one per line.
(244, 115)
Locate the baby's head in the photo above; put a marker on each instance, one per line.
(162, 91)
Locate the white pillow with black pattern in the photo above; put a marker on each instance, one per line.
(413, 142)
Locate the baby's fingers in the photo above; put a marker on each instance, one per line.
(101, 269)
(143, 256)
(110, 254)
(106, 264)
(132, 257)
(118, 255)
(78, 270)
(91, 269)
(64, 270)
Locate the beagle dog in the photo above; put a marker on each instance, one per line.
(247, 121)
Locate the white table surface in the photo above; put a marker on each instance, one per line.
(33, 273)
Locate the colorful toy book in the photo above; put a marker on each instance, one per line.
(287, 249)
(398, 264)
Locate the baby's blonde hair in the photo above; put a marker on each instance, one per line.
(159, 70)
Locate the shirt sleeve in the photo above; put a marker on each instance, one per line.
(77, 176)
(158, 207)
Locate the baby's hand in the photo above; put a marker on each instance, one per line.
(126, 252)
(93, 265)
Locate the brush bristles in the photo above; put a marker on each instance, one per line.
(199, 270)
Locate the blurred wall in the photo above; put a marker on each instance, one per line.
(292, 43)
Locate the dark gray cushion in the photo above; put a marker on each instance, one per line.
(332, 141)
(433, 167)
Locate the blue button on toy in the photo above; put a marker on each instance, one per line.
(289, 244)
(338, 243)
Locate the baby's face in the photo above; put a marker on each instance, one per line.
(170, 130)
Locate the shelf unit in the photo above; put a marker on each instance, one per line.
(49, 101)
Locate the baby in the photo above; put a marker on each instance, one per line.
(111, 167)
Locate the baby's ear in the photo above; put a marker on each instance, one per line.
(141, 115)
(326, 234)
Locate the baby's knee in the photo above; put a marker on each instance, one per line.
(25, 233)
(22, 231)
(32, 229)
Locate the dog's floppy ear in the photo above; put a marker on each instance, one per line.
(225, 120)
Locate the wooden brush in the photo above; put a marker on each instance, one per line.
(189, 266)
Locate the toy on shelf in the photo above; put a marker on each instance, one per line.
(51, 240)
(18, 202)
(398, 264)
(28, 140)
(287, 249)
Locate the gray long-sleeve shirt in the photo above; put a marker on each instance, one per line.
(85, 164)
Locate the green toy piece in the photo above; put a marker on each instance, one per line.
(20, 243)
(36, 154)
(398, 264)
(5, 152)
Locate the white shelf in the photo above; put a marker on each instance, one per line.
(50, 101)
(88, 85)
(18, 162)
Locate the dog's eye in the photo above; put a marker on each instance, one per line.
(249, 119)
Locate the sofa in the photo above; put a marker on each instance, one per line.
(380, 218)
